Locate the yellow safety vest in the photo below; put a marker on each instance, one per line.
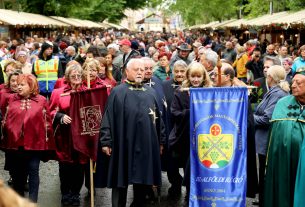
(46, 71)
(3, 62)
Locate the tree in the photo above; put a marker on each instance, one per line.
(296, 4)
(194, 11)
(97, 10)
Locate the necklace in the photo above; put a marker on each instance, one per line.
(301, 106)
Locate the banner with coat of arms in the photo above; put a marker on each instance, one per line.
(218, 133)
(86, 110)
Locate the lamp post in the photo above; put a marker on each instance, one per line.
(271, 7)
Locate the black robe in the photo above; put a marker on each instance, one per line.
(169, 87)
(179, 138)
(132, 127)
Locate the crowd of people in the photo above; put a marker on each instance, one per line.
(145, 126)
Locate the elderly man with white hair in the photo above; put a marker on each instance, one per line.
(132, 135)
(209, 60)
(70, 53)
(117, 56)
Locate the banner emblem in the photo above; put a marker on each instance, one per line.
(215, 150)
(91, 117)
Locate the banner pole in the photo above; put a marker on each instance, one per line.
(219, 65)
(91, 162)
(91, 183)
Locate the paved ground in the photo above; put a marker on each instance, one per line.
(49, 193)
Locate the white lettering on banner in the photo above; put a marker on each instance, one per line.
(215, 179)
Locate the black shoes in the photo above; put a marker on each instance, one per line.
(174, 191)
(65, 200)
(70, 199)
(255, 202)
(75, 200)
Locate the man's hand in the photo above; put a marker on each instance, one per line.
(66, 119)
(161, 149)
(107, 150)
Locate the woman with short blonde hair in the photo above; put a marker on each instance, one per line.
(196, 69)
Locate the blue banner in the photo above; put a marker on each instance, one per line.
(218, 133)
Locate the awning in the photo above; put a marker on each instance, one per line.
(293, 18)
(209, 25)
(9, 17)
(237, 23)
(78, 22)
(111, 25)
(266, 19)
(222, 24)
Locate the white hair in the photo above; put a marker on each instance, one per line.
(71, 48)
(114, 46)
(134, 61)
(211, 56)
(180, 63)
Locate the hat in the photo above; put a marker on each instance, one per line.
(63, 45)
(125, 42)
(197, 44)
(134, 45)
(45, 46)
(184, 47)
(21, 53)
(288, 61)
(300, 71)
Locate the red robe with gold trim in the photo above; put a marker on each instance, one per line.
(27, 124)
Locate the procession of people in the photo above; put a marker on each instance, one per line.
(145, 125)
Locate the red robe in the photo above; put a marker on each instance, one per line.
(60, 82)
(110, 84)
(94, 84)
(27, 124)
(60, 106)
(4, 95)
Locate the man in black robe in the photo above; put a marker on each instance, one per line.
(132, 134)
(153, 82)
(169, 87)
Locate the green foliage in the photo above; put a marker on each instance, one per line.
(96, 10)
(257, 7)
(296, 4)
(199, 12)
(195, 12)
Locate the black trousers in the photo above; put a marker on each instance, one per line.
(173, 174)
(119, 196)
(71, 177)
(25, 164)
(262, 168)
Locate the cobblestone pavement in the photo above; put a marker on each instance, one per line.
(49, 191)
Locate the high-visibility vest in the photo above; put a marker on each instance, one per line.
(3, 62)
(46, 71)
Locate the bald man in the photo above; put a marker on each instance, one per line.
(132, 135)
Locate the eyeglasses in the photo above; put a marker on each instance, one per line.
(216, 74)
(75, 76)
